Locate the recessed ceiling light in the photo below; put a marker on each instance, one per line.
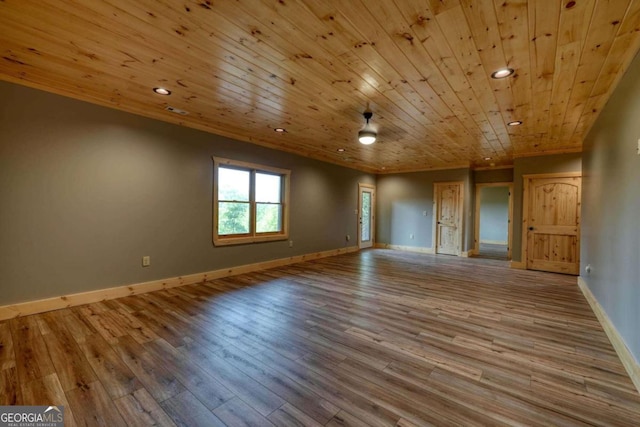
(340, 150)
(161, 91)
(280, 130)
(502, 73)
(487, 158)
(515, 123)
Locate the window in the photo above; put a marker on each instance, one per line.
(250, 203)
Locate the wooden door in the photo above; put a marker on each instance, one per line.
(448, 215)
(366, 215)
(552, 223)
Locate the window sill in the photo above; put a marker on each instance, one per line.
(243, 240)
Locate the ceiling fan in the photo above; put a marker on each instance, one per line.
(367, 135)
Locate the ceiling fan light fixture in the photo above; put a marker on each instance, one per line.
(367, 136)
(502, 73)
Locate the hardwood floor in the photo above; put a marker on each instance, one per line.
(375, 338)
(493, 251)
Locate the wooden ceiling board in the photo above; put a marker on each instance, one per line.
(243, 68)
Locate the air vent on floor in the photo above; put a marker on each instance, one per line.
(176, 110)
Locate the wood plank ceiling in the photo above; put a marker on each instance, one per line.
(242, 68)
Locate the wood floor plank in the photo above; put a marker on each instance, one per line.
(10, 393)
(134, 327)
(31, 354)
(165, 330)
(297, 395)
(398, 396)
(139, 409)
(78, 326)
(198, 381)
(255, 394)
(289, 416)
(405, 423)
(236, 413)
(376, 338)
(187, 411)
(345, 419)
(104, 322)
(333, 391)
(7, 353)
(70, 364)
(47, 390)
(116, 377)
(157, 379)
(93, 407)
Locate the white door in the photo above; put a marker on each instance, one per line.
(366, 215)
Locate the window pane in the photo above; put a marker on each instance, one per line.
(233, 184)
(268, 218)
(268, 188)
(366, 217)
(233, 218)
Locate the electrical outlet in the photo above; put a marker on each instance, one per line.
(411, 236)
(146, 261)
(348, 237)
(290, 243)
(424, 213)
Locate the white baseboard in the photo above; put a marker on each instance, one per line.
(626, 357)
(48, 304)
(417, 249)
(495, 242)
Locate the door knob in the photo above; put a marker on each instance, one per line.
(530, 228)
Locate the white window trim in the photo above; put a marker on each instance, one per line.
(253, 237)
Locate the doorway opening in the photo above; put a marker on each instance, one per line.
(493, 222)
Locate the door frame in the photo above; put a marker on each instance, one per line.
(371, 188)
(476, 228)
(460, 222)
(525, 209)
